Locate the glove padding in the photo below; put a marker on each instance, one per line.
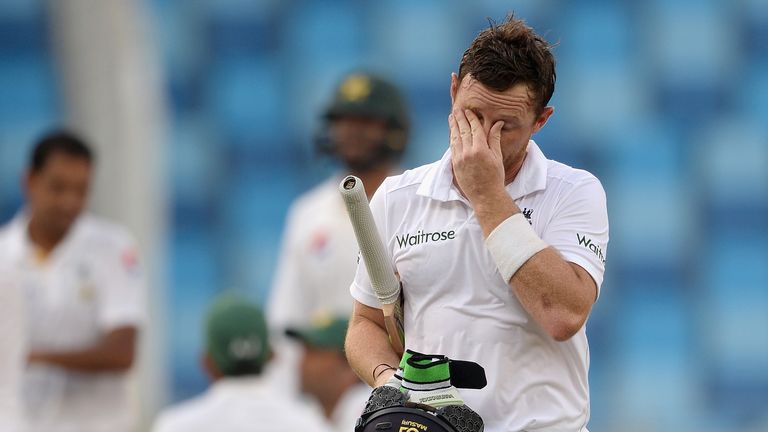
(387, 407)
(384, 397)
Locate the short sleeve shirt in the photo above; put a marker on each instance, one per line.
(12, 357)
(456, 303)
(90, 284)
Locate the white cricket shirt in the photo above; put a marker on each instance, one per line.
(317, 263)
(240, 404)
(457, 304)
(90, 283)
(12, 354)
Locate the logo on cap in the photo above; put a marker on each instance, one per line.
(247, 348)
(355, 88)
(322, 319)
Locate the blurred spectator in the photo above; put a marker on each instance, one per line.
(365, 126)
(84, 295)
(12, 353)
(237, 350)
(326, 375)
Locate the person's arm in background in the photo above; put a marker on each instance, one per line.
(115, 351)
(121, 314)
(558, 294)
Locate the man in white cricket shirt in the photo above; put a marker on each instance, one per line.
(500, 251)
(365, 126)
(84, 295)
(237, 349)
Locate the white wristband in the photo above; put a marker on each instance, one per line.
(512, 243)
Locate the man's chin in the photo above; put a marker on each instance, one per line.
(62, 225)
(363, 164)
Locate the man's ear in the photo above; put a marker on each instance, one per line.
(26, 182)
(454, 86)
(542, 119)
(210, 367)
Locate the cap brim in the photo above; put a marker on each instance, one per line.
(352, 110)
(309, 338)
(296, 334)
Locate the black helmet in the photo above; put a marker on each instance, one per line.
(368, 95)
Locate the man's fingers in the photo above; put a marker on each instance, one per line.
(455, 135)
(494, 138)
(478, 134)
(465, 130)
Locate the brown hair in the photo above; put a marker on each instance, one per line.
(511, 53)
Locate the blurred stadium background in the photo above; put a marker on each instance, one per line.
(203, 113)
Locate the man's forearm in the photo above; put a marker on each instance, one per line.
(557, 294)
(493, 209)
(367, 346)
(84, 361)
(114, 352)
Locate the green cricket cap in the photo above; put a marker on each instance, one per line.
(237, 336)
(369, 95)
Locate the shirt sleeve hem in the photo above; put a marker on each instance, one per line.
(596, 273)
(123, 319)
(364, 297)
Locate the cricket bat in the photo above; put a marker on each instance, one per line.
(383, 279)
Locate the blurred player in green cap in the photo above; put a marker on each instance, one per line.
(237, 350)
(325, 374)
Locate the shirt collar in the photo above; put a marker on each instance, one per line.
(438, 182)
(19, 232)
(20, 226)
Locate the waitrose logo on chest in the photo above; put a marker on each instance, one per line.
(421, 237)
